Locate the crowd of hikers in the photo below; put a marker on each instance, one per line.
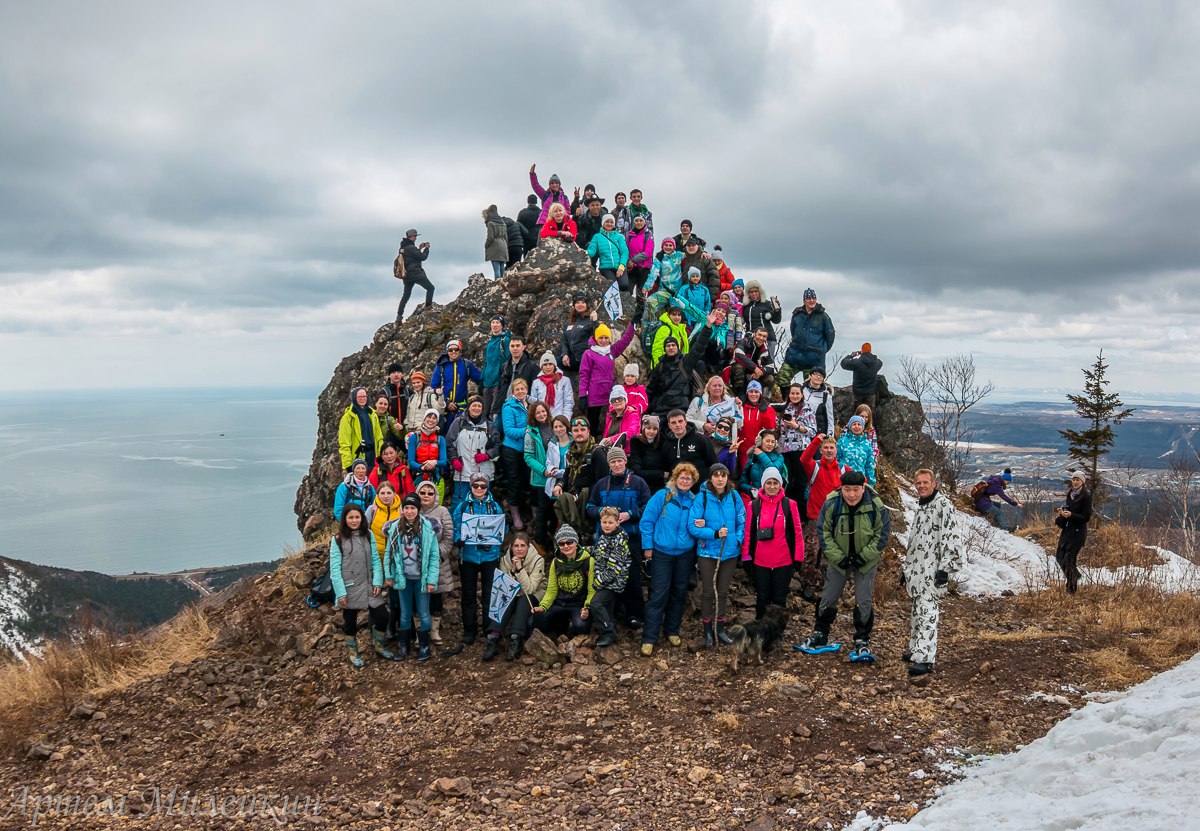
(608, 488)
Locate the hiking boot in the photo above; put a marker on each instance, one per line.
(710, 639)
(607, 639)
(424, 653)
(906, 657)
(378, 641)
(635, 623)
(468, 638)
(515, 513)
(674, 640)
(352, 647)
(919, 668)
(722, 635)
(402, 644)
(514, 647)
(493, 646)
(816, 640)
(647, 650)
(435, 631)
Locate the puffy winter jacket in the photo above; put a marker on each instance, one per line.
(610, 250)
(379, 515)
(628, 425)
(822, 479)
(812, 338)
(427, 399)
(756, 466)
(564, 395)
(495, 245)
(647, 461)
(866, 531)
(627, 492)
(352, 492)
(397, 474)
(641, 248)
(763, 314)
(669, 330)
(755, 419)
(466, 438)
(350, 437)
(775, 552)
(514, 418)
(696, 301)
(670, 384)
(393, 564)
(414, 257)
(495, 353)
(637, 400)
(865, 368)
(727, 277)
(548, 198)
(709, 276)
(472, 553)
(858, 453)
(551, 229)
(574, 342)
(665, 270)
(424, 447)
(665, 520)
(596, 371)
(727, 511)
(703, 411)
(451, 377)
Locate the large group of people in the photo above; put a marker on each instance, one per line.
(610, 487)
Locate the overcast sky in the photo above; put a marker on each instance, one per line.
(212, 193)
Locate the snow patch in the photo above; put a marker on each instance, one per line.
(16, 590)
(1110, 766)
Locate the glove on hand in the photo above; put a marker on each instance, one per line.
(458, 465)
(480, 458)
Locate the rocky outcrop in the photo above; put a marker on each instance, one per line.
(534, 296)
(899, 426)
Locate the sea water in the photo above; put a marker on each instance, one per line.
(122, 481)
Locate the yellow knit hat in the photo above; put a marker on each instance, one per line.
(602, 331)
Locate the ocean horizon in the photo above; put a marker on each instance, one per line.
(153, 480)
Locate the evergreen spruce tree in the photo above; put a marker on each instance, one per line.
(1101, 410)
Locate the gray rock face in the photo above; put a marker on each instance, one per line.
(898, 425)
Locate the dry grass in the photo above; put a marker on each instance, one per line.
(97, 665)
(1114, 546)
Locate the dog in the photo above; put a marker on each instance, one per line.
(755, 639)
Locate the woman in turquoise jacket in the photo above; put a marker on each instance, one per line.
(856, 450)
(513, 475)
(695, 298)
(671, 548)
(538, 433)
(718, 522)
(411, 563)
(610, 252)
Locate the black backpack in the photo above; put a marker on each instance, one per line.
(321, 591)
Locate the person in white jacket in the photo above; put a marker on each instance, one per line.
(470, 448)
(554, 388)
(934, 552)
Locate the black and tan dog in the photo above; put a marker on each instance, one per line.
(755, 639)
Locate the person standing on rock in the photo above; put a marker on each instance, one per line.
(613, 558)
(443, 525)
(589, 223)
(718, 524)
(610, 252)
(360, 435)
(539, 433)
(495, 353)
(478, 561)
(414, 258)
(597, 372)
(578, 332)
(516, 241)
(760, 313)
(934, 552)
(773, 543)
(823, 475)
(396, 390)
(495, 244)
(451, 375)
(357, 576)
(423, 399)
(854, 525)
(471, 448)
(812, 336)
(671, 550)
(525, 564)
(411, 566)
(355, 489)
(527, 218)
(553, 195)
(569, 589)
(517, 364)
(865, 366)
(1073, 517)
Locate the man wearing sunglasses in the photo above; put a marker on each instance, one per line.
(450, 377)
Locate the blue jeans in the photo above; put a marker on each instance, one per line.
(669, 575)
(998, 512)
(498, 268)
(414, 597)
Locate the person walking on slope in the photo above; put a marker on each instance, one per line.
(996, 485)
(1073, 518)
(414, 271)
(854, 526)
(934, 553)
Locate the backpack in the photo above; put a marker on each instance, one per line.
(979, 491)
(398, 269)
(321, 590)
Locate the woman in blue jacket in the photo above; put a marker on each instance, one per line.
(410, 567)
(478, 562)
(514, 475)
(718, 522)
(672, 554)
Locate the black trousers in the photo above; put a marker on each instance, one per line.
(516, 618)
(559, 619)
(513, 470)
(409, 282)
(378, 616)
(771, 587)
(470, 572)
(602, 610)
(543, 519)
(632, 601)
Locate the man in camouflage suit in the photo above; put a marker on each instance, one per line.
(934, 552)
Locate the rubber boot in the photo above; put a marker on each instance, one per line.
(722, 635)
(710, 639)
(402, 644)
(515, 645)
(435, 631)
(493, 646)
(352, 647)
(378, 641)
(862, 628)
(515, 513)
(424, 653)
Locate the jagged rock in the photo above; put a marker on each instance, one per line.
(448, 786)
(83, 710)
(898, 425)
(608, 655)
(39, 750)
(543, 650)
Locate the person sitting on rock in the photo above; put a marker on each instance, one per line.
(553, 388)
(666, 273)
(451, 376)
(471, 448)
(578, 332)
(569, 589)
(559, 226)
(355, 489)
(477, 565)
(360, 435)
(597, 372)
(818, 400)
(357, 576)
(411, 566)
(752, 362)
(427, 452)
(393, 469)
(525, 564)
(855, 449)
(727, 276)
(423, 399)
(611, 570)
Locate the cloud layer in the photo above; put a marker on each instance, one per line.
(1017, 181)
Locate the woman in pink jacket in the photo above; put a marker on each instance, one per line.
(597, 372)
(774, 541)
(640, 240)
(623, 421)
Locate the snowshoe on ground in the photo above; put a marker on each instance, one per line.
(861, 653)
(817, 644)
